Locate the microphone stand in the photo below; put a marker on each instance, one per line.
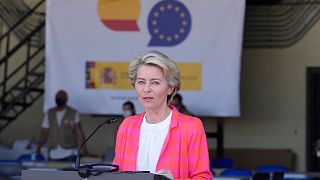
(108, 121)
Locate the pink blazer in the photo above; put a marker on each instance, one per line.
(184, 152)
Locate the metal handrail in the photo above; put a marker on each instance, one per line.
(21, 65)
(22, 42)
(279, 25)
(22, 20)
(286, 27)
(20, 96)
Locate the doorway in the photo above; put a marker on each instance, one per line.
(313, 119)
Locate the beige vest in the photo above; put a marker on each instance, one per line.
(65, 134)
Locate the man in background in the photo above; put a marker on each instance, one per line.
(61, 127)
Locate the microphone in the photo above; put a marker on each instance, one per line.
(77, 163)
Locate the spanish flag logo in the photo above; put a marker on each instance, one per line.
(120, 15)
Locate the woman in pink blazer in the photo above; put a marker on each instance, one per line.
(161, 140)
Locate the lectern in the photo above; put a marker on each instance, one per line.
(73, 175)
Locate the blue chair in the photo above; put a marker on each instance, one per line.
(272, 168)
(28, 157)
(236, 172)
(222, 162)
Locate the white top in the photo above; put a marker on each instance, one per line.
(59, 152)
(151, 140)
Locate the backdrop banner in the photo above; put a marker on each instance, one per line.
(89, 44)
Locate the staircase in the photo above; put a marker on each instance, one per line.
(13, 14)
(278, 23)
(21, 58)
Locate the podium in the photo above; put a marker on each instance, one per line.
(73, 175)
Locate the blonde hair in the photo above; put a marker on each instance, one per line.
(168, 66)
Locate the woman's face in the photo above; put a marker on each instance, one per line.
(151, 87)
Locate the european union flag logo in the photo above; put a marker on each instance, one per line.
(169, 23)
